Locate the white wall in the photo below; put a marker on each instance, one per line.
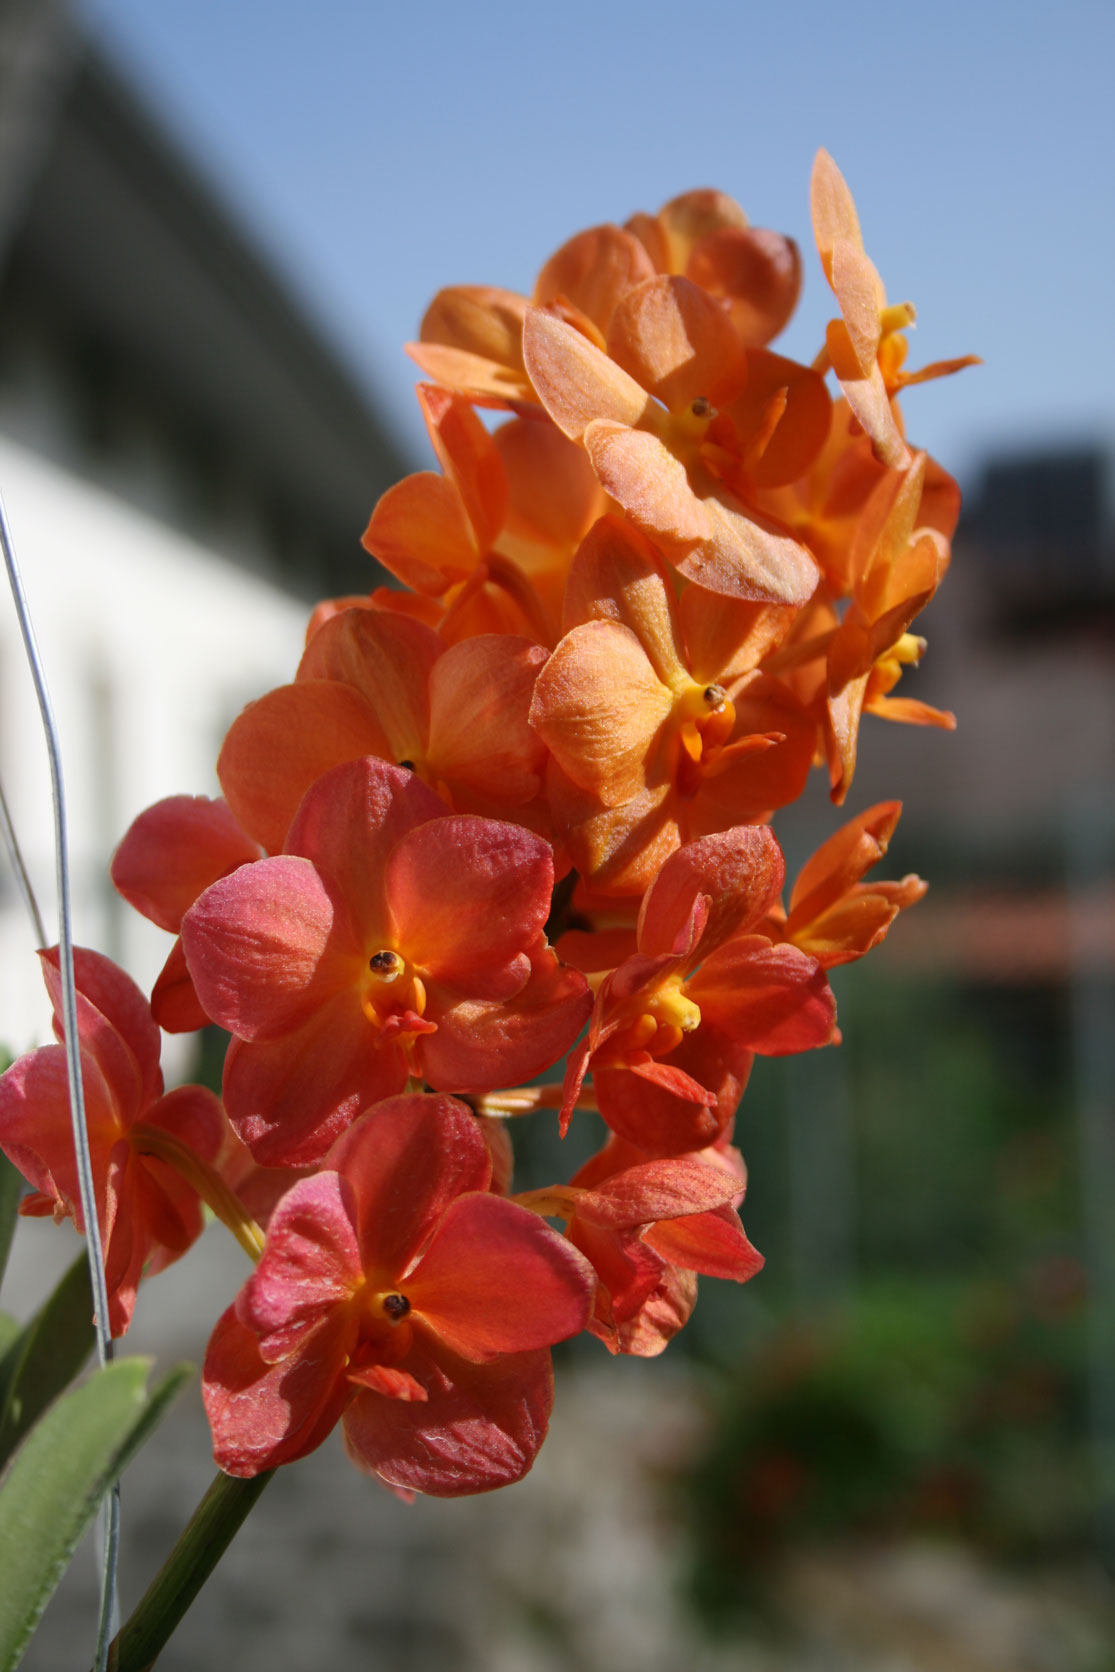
(151, 645)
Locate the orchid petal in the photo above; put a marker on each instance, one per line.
(480, 1427)
(496, 1279)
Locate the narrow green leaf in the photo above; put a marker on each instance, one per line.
(9, 1329)
(58, 1477)
(11, 1187)
(45, 1356)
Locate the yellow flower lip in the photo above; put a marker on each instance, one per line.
(391, 987)
(671, 1007)
(689, 424)
(896, 318)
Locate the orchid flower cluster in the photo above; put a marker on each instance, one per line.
(513, 811)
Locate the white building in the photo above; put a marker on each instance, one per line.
(185, 466)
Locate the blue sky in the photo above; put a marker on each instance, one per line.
(378, 152)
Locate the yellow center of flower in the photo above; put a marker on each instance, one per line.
(704, 717)
(685, 427)
(661, 1018)
(390, 988)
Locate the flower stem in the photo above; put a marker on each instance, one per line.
(210, 1186)
(203, 1542)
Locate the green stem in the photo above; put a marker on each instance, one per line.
(208, 1534)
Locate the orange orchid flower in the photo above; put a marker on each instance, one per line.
(674, 1027)
(704, 235)
(682, 425)
(496, 531)
(659, 724)
(864, 346)
(471, 336)
(169, 855)
(896, 568)
(389, 940)
(148, 1214)
(397, 1294)
(648, 1227)
(375, 683)
(833, 915)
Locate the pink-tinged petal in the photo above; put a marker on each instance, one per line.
(842, 714)
(576, 383)
(35, 1130)
(671, 235)
(484, 381)
(114, 1024)
(174, 1001)
(388, 658)
(833, 210)
(266, 947)
(713, 1244)
(676, 341)
(598, 705)
(772, 999)
(701, 527)
(420, 531)
(261, 1414)
(392, 1383)
(310, 1265)
(884, 529)
(618, 575)
(289, 1099)
(654, 1117)
(740, 872)
(652, 484)
(281, 744)
(480, 738)
(496, 1279)
(480, 1427)
(173, 851)
(468, 456)
(481, 1045)
(553, 493)
(433, 1145)
(726, 638)
(628, 1272)
(167, 1214)
(655, 1190)
(867, 396)
(594, 271)
(859, 290)
(758, 272)
(619, 850)
(661, 1316)
(803, 428)
(468, 896)
(481, 321)
(193, 1114)
(349, 822)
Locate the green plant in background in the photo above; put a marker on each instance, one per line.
(917, 1408)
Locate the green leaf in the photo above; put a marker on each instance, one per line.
(46, 1355)
(11, 1186)
(58, 1477)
